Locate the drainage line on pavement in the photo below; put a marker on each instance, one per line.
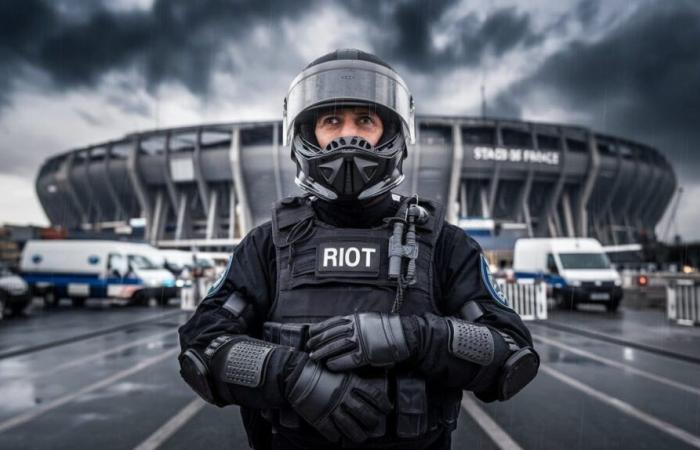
(618, 341)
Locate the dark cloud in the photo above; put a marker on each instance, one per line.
(129, 103)
(641, 80)
(171, 41)
(76, 43)
(89, 117)
(587, 11)
(409, 27)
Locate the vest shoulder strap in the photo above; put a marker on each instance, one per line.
(285, 214)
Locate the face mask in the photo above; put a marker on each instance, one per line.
(349, 168)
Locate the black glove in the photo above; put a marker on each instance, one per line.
(339, 404)
(361, 339)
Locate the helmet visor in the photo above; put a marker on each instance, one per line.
(348, 82)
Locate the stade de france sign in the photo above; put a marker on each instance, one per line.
(517, 155)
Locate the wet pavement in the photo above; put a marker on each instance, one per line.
(106, 377)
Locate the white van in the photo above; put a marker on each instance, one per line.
(81, 269)
(577, 270)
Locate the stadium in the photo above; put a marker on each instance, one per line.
(205, 186)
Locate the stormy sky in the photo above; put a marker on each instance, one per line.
(75, 72)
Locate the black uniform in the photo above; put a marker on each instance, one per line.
(274, 277)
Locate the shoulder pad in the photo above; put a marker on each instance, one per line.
(490, 284)
(216, 287)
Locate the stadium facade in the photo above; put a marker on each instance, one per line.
(207, 185)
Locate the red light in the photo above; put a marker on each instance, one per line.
(643, 280)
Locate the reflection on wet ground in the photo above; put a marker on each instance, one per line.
(121, 388)
(17, 395)
(554, 355)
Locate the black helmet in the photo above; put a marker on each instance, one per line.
(349, 167)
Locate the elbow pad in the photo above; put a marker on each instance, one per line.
(244, 365)
(518, 371)
(194, 369)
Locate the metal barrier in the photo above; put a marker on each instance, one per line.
(190, 296)
(527, 297)
(683, 301)
(187, 299)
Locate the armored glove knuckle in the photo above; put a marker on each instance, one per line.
(310, 395)
(312, 390)
(340, 405)
(364, 339)
(471, 342)
(384, 338)
(246, 363)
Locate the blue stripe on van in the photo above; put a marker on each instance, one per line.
(65, 279)
(97, 286)
(548, 278)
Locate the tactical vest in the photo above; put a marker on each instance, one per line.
(325, 271)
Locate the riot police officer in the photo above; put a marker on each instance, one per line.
(355, 318)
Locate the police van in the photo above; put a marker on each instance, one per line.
(82, 269)
(576, 270)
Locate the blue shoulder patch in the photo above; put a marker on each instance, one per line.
(490, 284)
(220, 281)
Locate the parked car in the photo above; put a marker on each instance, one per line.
(14, 293)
